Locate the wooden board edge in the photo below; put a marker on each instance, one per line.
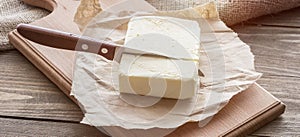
(257, 122)
(256, 119)
(41, 64)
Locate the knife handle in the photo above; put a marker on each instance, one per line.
(64, 40)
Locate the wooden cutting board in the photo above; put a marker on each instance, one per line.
(245, 113)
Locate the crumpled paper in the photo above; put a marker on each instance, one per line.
(226, 62)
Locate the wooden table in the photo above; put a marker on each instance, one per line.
(32, 105)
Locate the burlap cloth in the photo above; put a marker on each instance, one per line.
(13, 12)
(232, 11)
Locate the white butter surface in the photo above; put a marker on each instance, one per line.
(160, 76)
(173, 36)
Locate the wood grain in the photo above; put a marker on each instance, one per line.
(276, 49)
(41, 100)
(20, 127)
(52, 63)
(276, 46)
(288, 18)
(26, 92)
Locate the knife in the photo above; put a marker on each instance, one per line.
(69, 41)
(63, 40)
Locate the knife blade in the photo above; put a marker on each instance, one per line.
(63, 40)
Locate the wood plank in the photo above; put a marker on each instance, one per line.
(21, 127)
(290, 18)
(276, 49)
(277, 54)
(26, 92)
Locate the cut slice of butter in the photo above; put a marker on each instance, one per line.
(160, 76)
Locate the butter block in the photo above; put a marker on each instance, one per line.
(161, 76)
(158, 76)
(173, 36)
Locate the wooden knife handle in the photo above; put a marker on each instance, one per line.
(64, 40)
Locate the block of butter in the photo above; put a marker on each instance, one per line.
(161, 76)
(164, 34)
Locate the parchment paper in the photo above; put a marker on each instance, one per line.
(227, 63)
